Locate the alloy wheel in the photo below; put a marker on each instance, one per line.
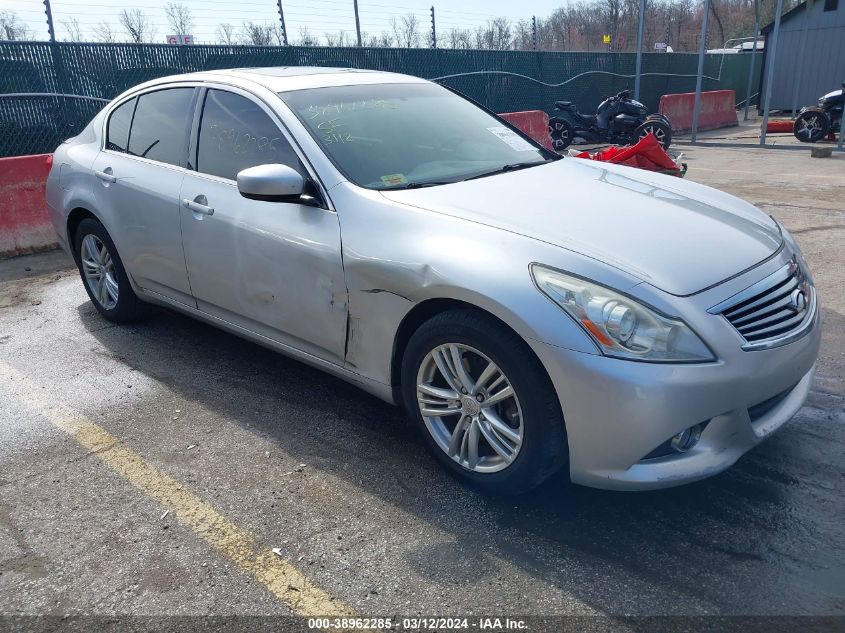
(658, 131)
(810, 128)
(98, 268)
(470, 408)
(560, 133)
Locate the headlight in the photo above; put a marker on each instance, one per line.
(619, 325)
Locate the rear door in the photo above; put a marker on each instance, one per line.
(138, 177)
(273, 268)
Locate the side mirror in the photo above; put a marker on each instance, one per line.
(271, 183)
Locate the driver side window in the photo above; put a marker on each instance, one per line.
(235, 133)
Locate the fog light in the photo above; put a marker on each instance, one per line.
(686, 439)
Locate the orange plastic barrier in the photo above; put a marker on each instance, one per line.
(717, 110)
(534, 123)
(24, 220)
(780, 127)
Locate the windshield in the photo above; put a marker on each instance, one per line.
(392, 136)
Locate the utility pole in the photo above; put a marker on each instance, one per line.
(639, 51)
(771, 52)
(433, 30)
(751, 61)
(282, 20)
(50, 28)
(808, 8)
(702, 48)
(534, 32)
(357, 22)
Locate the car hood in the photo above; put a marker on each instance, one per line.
(678, 236)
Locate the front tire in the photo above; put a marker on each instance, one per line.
(103, 275)
(483, 402)
(811, 126)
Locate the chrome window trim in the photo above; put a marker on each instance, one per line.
(149, 161)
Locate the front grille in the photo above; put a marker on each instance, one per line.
(771, 308)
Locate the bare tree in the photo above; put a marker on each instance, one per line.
(103, 32)
(716, 14)
(497, 34)
(137, 26)
(278, 34)
(405, 31)
(226, 34)
(305, 37)
(522, 36)
(385, 40)
(11, 27)
(74, 30)
(179, 18)
(257, 34)
(337, 39)
(458, 38)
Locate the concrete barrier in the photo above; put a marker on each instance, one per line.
(24, 220)
(534, 123)
(717, 110)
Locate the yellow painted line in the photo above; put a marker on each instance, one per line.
(280, 577)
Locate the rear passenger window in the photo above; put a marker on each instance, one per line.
(235, 133)
(117, 134)
(161, 125)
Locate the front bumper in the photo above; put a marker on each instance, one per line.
(618, 411)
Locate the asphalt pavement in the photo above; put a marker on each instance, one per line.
(168, 468)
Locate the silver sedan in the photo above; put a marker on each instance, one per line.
(531, 313)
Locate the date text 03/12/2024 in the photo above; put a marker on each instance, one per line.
(418, 623)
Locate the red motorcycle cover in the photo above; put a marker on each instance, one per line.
(647, 154)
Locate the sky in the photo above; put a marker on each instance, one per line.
(319, 16)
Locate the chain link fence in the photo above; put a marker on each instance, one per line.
(49, 91)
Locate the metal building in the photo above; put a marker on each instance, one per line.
(810, 56)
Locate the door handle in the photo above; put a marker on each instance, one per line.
(105, 176)
(196, 207)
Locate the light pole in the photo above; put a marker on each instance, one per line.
(702, 47)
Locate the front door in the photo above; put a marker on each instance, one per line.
(139, 176)
(269, 267)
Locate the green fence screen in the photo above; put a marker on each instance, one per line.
(504, 81)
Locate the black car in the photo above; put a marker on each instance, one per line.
(816, 122)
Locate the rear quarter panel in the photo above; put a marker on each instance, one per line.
(69, 183)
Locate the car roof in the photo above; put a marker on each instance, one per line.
(288, 78)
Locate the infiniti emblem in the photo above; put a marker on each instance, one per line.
(797, 301)
(469, 406)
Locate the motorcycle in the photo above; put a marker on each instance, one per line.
(816, 122)
(618, 119)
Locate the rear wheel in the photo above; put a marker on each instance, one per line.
(561, 132)
(811, 126)
(661, 131)
(484, 404)
(103, 274)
